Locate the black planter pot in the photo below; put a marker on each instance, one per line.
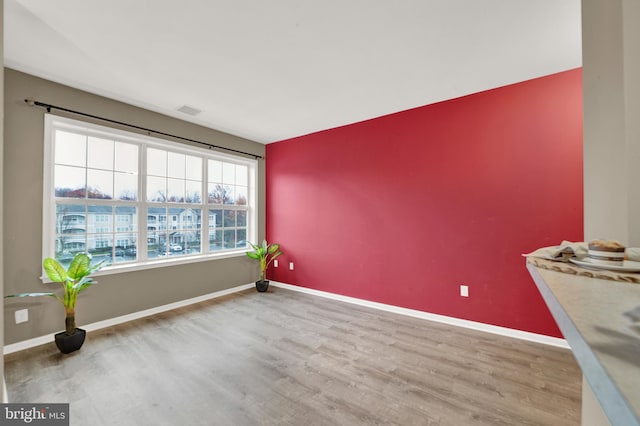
(262, 286)
(69, 343)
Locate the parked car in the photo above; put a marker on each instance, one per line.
(175, 247)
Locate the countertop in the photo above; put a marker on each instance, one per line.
(590, 312)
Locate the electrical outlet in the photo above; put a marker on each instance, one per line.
(275, 263)
(22, 316)
(464, 290)
(291, 266)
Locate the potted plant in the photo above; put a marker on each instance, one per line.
(74, 280)
(265, 254)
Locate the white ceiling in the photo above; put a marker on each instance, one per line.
(271, 70)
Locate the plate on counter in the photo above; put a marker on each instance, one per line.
(627, 265)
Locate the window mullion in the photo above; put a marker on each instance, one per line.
(142, 205)
(204, 232)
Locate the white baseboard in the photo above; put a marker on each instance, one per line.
(36, 341)
(503, 331)
(518, 334)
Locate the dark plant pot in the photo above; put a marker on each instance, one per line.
(69, 343)
(262, 286)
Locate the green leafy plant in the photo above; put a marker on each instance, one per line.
(265, 254)
(74, 280)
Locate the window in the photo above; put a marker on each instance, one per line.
(135, 200)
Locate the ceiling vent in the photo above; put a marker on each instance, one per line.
(189, 110)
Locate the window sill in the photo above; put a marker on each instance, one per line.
(153, 264)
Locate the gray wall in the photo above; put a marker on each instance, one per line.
(611, 84)
(2, 395)
(116, 294)
(611, 89)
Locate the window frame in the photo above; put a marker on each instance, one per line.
(55, 122)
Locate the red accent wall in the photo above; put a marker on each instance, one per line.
(404, 208)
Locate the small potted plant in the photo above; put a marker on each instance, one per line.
(265, 254)
(74, 280)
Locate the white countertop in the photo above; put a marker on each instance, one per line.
(590, 314)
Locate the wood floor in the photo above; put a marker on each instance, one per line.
(287, 358)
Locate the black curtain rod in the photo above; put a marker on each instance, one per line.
(49, 107)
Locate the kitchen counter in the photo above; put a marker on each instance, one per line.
(590, 312)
